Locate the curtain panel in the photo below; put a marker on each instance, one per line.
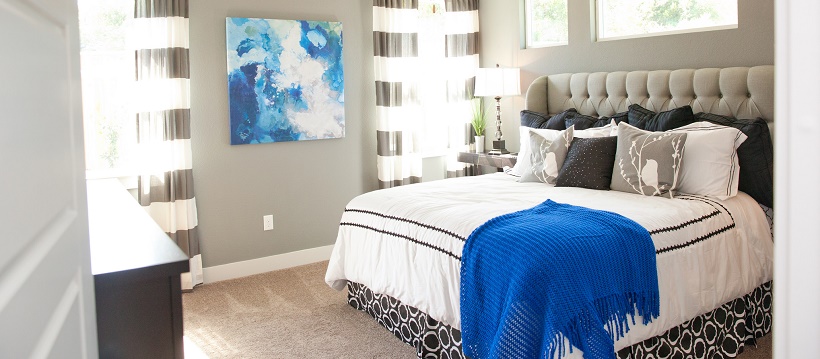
(163, 114)
(425, 61)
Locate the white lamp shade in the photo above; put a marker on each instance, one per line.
(497, 81)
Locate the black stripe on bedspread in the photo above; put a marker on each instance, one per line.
(708, 201)
(437, 229)
(413, 240)
(719, 209)
(684, 224)
(696, 240)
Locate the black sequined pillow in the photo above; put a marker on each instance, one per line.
(589, 163)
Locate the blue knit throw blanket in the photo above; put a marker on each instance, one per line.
(532, 278)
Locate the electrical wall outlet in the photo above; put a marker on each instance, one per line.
(268, 222)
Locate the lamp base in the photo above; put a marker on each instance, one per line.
(498, 148)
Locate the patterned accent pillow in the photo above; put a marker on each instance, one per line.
(589, 163)
(547, 157)
(647, 163)
(523, 163)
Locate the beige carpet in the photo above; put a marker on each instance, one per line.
(292, 313)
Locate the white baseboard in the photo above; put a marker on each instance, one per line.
(266, 264)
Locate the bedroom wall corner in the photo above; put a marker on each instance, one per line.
(752, 43)
(305, 184)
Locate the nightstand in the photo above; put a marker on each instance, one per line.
(484, 159)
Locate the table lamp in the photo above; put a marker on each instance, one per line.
(498, 82)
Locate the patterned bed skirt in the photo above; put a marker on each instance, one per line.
(721, 333)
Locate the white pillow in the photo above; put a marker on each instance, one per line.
(710, 166)
(609, 130)
(523, 162)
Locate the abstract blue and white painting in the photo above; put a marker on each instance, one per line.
(285, 80)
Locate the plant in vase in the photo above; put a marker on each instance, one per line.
(479, 121)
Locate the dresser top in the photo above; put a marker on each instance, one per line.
(122, 235)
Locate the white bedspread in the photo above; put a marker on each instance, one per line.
(406, 242)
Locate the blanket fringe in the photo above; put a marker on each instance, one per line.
(614, 313)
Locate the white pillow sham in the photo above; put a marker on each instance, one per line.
(710, 166)
(609, 130)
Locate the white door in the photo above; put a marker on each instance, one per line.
(46, 288)
(797, 243)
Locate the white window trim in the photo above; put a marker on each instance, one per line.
(547, 44)
(597, 11)
(664, 33)
(525, 44)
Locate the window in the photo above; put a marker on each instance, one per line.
(546, 23)
(619, 19)
(107, 70)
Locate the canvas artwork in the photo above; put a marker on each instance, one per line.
(285, 80)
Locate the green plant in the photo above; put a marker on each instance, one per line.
(479, 116)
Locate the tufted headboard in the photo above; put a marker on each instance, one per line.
(742, 92)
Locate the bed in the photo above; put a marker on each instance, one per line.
(398, 251)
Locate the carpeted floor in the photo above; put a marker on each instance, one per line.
(292, 313)
(289, 313)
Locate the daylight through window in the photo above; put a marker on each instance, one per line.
(107, 70)
(546, 23)
(618, 19)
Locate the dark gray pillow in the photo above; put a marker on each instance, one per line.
(581, 122)
(755, 156)
(647, 120)
(589, 163)
(647, 163)
(618, 118)
(534, 119)
(546, 157)
(603, 121)
(558, 122)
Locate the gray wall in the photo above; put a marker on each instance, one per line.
(306, 184)
(752, 43)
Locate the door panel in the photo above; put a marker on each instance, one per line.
(66, 344)
(46, 288)
(35, 125)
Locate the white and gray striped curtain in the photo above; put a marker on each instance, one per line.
(425, 63)
(162, 100)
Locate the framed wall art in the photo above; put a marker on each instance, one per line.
(285, 80)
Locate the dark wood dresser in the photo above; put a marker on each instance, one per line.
(136, 269)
